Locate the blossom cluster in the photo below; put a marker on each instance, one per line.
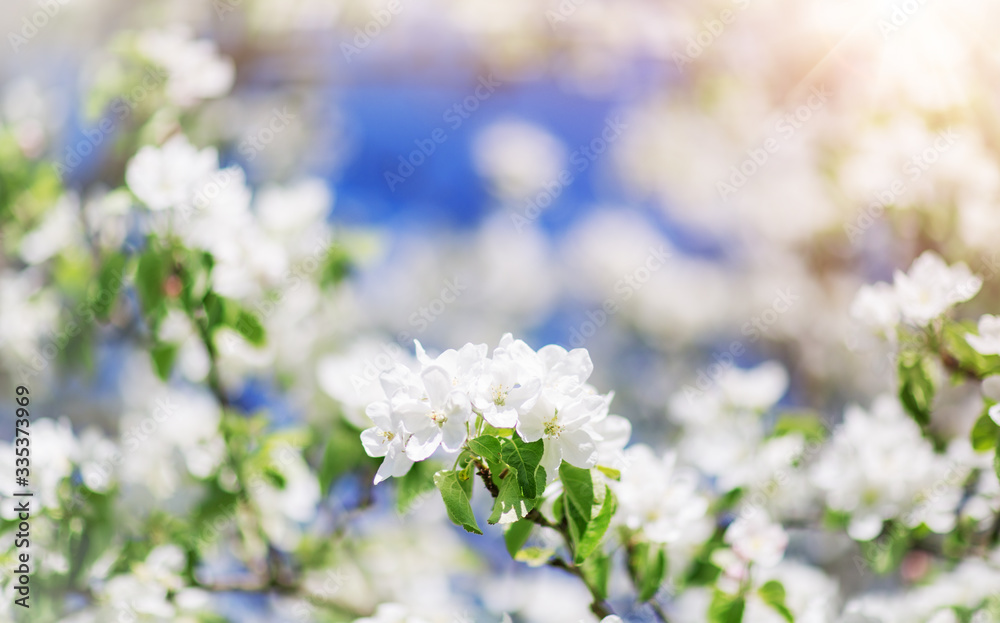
(540, 394)
(878, 466)
(927, 290)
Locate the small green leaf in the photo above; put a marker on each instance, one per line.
(534, 556)
(984, 433)
(647, 567)
(517, 535)
(578, 497)
(702, 573)
(885, 553)
(509, 506)
(523, 458)
(221, 311)
(596, 528)
(163, 356)
(597, 570)
(457, 494)
(337, 267)
(808, 425)
(653, 574)
(488, 447)
(149, 277)
(250, 328)
(276, 478)
(726, 608)
(109, 284)
(996, 461)
(557, 509)
(957, 345)
(916, 389)
(610, 472)
(773, 594)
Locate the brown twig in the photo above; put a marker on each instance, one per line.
(598, 606)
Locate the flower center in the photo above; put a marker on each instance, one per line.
(438, 417)
(500, 395)
(388, 435)
(553, 428)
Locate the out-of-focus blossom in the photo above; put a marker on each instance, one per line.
(988, 340)
(755, 538)
(661, 498)
(165, 177)
(931, 287)
(195, 69)
(878, 466)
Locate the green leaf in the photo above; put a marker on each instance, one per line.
(808, 425)
(610, 472)
(836, 520)
(109, 284)
(523, 458)
(249, 326)
(197, 273)
(773, 594)
(647, 567)
(274, 477)
(221, 311)
(885, 553)
(956, 345)
(984, 433)
(163, 356)
(596, 571)
(337, 267)
(488, 447)
(534, 556)
(149, 278)
(702, 573)
(557, 510)
(416, 482)
(510, 505)
(517, 535)
(727, 501)
(726, 608)
(996, 461)
(653, 574)
(916, 389)
(578, 497)
(638, 558)
(596, 528)
(457, 494)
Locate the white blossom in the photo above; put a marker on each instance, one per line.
(661, 498)
(988, 340)
(931, 288)
(195, 70)
(755, 538)
(165, 177)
